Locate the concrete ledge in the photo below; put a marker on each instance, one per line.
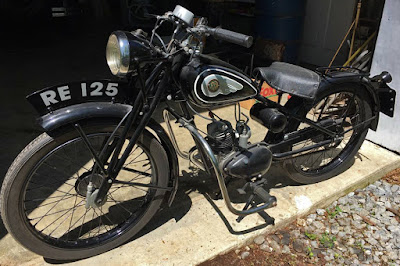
(193, 231)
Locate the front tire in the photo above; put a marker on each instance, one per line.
(43, 195)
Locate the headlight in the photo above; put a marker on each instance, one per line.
(122, 49)
(117, 53)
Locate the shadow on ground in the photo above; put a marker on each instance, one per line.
(194, 180)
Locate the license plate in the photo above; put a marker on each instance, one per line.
(387, 98)
(53, 98)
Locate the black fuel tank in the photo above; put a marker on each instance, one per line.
(209, 85)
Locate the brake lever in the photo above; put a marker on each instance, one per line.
(148, 15)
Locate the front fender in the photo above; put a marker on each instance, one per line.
(70, 114)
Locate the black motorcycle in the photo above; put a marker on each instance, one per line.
(104, 166)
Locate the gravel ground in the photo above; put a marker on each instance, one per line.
(361, 228)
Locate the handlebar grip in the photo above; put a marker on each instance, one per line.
(231, 36)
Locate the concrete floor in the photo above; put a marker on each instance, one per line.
(197, 228)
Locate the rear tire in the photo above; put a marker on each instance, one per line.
(27, 193)
(334, 159)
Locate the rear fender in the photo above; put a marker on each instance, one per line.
(361, 84)
(381, 98)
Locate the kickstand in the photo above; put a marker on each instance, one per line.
(268, 219)
(248, 203)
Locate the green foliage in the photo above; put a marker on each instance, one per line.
(334, 212)
(327, 240)
(311, 236)
(360, 246)
(310, 253)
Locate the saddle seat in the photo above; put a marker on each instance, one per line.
(291, 79)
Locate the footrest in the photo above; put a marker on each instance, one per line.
(265, 196)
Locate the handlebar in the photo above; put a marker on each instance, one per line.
(231, 36)
(179, 16)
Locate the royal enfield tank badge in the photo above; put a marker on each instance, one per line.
(213, 85)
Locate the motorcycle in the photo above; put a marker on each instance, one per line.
(104, 166)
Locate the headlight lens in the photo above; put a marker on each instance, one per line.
(117, 53)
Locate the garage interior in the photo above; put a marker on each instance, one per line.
(50, 42)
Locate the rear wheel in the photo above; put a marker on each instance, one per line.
(341, 110)
(44, 194)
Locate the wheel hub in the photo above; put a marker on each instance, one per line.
(82, 182)
(81, 187)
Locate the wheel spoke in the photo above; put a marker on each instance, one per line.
(53, 197)
(65, 212)
(131, 161)
(119, 204)
(49, 214)
(342, 106)
(53, 207)
(135, 178)
(72, 217)
(62, 221)
(55, 193)
(47, 185)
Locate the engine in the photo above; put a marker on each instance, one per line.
(221, 136)
(236, 157)
(254, 161)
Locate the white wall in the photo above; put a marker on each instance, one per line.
(326, 22)
(387, 57)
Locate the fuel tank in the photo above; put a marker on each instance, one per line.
(208, 85)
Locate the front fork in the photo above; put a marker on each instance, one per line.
(139, 116)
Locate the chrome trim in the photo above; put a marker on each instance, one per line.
(183, 14)
(124, 49)
(195, 161)
(220, 101)
(221, 181)
(181, 153)
(229, 82)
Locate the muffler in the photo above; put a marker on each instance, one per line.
(269, 117)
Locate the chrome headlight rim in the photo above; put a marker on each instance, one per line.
(118, 41)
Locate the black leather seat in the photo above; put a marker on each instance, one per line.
(290, 78)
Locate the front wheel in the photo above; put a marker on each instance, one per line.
(343, 110)
(44, 194)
